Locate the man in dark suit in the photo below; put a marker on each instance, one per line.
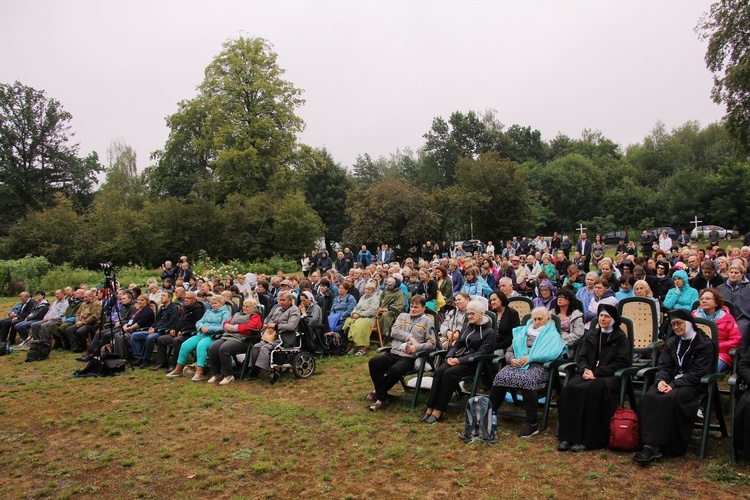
(584, 248)
(384, 255)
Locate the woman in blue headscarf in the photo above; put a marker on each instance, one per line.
(533, 345)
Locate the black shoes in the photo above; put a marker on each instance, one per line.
(157, 367)
(578, 448)
(563, 446)
(85, 358)
(647, 454)
(528, 431)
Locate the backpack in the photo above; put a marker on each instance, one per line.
(333, 344)
(5, 348)
(624, 430)
(121, 346)
(481, 421)
(106, 365)
(38, 351)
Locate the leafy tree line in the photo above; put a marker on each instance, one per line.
(234, 181)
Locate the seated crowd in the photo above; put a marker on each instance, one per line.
(398, 295)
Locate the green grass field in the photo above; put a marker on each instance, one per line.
(143, 435)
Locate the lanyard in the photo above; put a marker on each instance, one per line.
(681, 359)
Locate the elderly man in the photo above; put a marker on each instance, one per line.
(55, 329)
(8, 325)
(506, 286)
(86, 321)
(184, 272)
(281, 325)
(412, 332)
(168, 271)
(54, 313)
(364, 256)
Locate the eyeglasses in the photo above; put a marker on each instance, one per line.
(677, 323)
(471, 313)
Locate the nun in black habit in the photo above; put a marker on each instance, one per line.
(589, 399)
(667, 411)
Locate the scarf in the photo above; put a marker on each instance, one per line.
(239, 318)
(547, 346)
(718, 314)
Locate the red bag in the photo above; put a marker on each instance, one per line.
(624, 430)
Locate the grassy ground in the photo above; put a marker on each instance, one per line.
(143, 435)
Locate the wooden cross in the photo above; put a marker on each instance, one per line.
(696, 222)
(581, 229)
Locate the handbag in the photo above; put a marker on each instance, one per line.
(440, 300)
(268, 336)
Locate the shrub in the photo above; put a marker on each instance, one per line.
(29, 271)
(64, 275)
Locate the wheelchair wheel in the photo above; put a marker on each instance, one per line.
(303, 364)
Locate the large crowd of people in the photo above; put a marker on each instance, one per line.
(391, 291)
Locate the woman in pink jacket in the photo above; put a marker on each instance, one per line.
(712, 307)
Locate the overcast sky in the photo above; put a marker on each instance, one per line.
(374, 74)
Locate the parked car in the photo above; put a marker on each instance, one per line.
(704, 230)
(670, 232)
(614, 237)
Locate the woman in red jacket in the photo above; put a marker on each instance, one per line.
(712, 307)
(241, 329)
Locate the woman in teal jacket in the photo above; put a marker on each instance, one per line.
(209, 325)
(682, 296)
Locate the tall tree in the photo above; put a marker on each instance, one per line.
(242, 125)
(326, 193)
(391, 211)
(727, 28)
(36, 157)
(493, 194)
(121, 179)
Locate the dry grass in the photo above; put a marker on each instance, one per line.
(142, 435)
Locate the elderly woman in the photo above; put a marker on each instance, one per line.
(210, 324)
(507, 321)
(477, 338)
(641, 289)
(737, 291)
(392, 303)
(239, 331)
(549, 268)
(455, 320)
(567, 308)
(445, 285)
(712, 308)
(682, 295)
(342, 308)
(667, 411)
(533, 345)
(590, 397)
(359, 325)
(547, 295)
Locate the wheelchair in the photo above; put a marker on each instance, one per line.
(296, 352)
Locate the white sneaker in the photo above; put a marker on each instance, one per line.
(174, 374)
(213, 379)
(197, 378)
(227, 380)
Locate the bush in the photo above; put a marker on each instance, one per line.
(206, 267)
(64, 275)
(29, 271)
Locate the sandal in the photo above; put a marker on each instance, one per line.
(371, 396)
(377, 406)
(361, 352)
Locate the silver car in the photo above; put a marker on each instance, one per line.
(704, 230)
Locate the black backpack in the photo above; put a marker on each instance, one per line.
(334, 344)
(38, 351)
(104, 366)
(120, 346)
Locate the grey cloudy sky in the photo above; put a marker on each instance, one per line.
(375, 74)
